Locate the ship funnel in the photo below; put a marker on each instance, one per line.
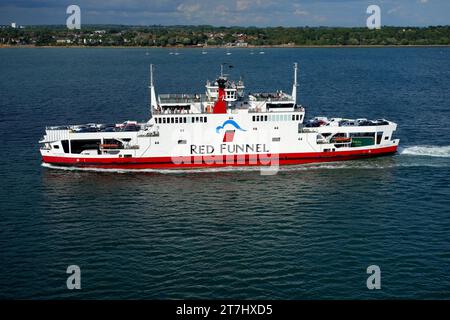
(295, 85)
(220, 105)
(153, 103)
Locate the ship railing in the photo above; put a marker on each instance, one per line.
(180, 98)
(270, 97)
(169, 111)
(148, 134)
(55, 134)
(307, 129)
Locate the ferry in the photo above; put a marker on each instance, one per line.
(225, 126)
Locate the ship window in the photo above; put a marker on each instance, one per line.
(379, 137)
(276, 139)
(197, 119)
(65, 145)
(257, 118)
(182, 141)
(55, 146)
(176, 120)
(279, 105)
(206, 119)
(386, 138)
(127, 155)
(184, 119)
(201, 119)
(164, 120)
(253, 118)
(78, 146)
(293, 117)
(265, 118)
(172, 120)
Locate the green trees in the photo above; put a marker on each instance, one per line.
(162, 36)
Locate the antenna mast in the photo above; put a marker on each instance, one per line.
(153, 103)
(295, 85)
(151, 75)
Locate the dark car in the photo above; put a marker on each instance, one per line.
(131, 127)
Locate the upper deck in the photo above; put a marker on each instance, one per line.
(233, 96)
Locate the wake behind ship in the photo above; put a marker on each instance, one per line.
(223, 127)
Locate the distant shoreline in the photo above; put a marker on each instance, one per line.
(2, 46)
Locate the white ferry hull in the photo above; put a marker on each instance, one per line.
(222, 128)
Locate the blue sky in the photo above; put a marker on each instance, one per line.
(228, 12)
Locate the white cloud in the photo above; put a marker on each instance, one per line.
(393, 10)
(189, 10)
(242, 5)
(299, 11)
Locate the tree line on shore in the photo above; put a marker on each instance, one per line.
(169, 36)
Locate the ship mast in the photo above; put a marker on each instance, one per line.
(153, 103)
(295, 85)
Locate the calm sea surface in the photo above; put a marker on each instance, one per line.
(308, 232)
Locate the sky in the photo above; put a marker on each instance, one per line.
(288, 13)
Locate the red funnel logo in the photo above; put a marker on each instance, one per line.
(228, 136)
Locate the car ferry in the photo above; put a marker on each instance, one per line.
(225, 126)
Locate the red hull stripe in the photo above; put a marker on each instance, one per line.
(217, 161)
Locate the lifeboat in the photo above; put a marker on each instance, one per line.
(109, 146)
(342, 140)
